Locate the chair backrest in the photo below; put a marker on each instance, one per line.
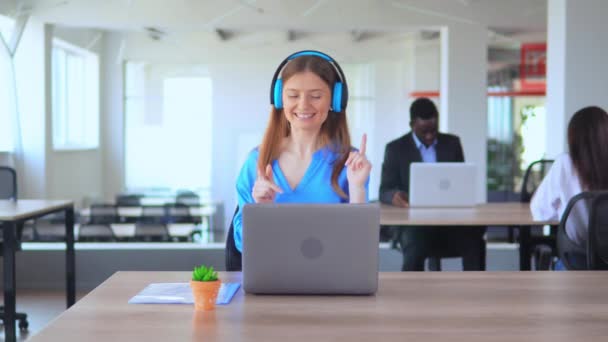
(104, 214)
(128, 200)
(596, 249)
(234, 259)
(178, 213)
(96, 232)
(153, 214)
(151, 231)
(597, 246)
(50, 227)
(8, 191)
(188, 198)
(533, 177)
(8, 183)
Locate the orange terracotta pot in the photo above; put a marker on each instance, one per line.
(205, 294)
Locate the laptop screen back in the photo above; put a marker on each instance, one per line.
(310, 248)
(442, 185)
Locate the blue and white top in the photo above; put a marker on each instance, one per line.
(315, 186)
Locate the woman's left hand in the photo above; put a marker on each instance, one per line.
(358, 167)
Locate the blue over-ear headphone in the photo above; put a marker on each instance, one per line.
(340, 90)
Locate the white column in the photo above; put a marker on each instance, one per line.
(577, 71)
(32, 76)
(463, 90)
(112, 118)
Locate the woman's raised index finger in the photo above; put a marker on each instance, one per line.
(363, 143)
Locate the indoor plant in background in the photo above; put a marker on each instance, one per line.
(205, 287)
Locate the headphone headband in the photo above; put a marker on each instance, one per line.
(339, 89)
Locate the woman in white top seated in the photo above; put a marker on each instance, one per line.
(584, 168)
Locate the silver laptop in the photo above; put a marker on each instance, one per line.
(443, 185)
(310, 248)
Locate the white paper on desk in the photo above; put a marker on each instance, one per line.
(179, 293)
(164, 293)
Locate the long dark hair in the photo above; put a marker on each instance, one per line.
(588, 144)
(334, 131)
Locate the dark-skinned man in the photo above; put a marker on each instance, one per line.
(425, 144)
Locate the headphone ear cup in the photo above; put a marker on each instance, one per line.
(336, 101)
(278, 94)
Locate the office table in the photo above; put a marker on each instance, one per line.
(512, 214)
(130, 212)
(13, 214)
(409, 306)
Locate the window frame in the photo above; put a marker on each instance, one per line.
(6, 25)
(133, 93)
(90, 82)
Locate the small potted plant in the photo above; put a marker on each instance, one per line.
(205, 287)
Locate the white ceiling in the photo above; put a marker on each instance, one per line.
(510, 20)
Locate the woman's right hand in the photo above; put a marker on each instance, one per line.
(264, 189)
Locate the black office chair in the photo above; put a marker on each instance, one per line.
(534, 175)
(151, 231)
(180, 213)
(152, 224)
(103, 213)
(597, 246)
(8, 183)
(132, 200)
(595, 253)
(29, 233)
(8, 190)
(187, 197)
(543, 248)
(234, 258)
(153, 214)
(96, 232)
(50, 228)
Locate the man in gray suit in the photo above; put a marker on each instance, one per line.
(425, 144)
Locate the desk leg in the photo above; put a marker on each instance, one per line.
(524, 248)
(483, 254)
(9, 246)
(70, 263)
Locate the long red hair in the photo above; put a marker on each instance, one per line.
(334, 131)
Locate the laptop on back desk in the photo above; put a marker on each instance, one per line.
(442, 185)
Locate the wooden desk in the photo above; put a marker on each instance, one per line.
(200, 211)
(409, 306)
(13, 214)
(487, 214)
(510, 214)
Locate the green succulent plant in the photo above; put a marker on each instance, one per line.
(204, 273)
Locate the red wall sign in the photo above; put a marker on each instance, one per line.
(533, 66)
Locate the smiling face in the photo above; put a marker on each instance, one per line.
(306, 101)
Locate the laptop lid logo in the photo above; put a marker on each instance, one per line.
(311, 248)
(444, 184)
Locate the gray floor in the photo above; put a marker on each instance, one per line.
(41, 308)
